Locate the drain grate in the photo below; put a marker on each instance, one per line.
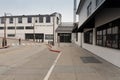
(90, 60)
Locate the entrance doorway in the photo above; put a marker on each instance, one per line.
(65, 37)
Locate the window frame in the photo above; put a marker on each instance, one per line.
(29, 19)
(88, 37)
(48, 19)
(20, 20)
(11, 20)
(111, 36)
(41, 19)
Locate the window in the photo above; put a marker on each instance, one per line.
(2, 20)
(20, 20)
(76, 36)
(57, 20)
(41, 19)
(115, 37)
(49, 36)
(11, 35)
(29, 27)
(47, 19)
(10, 20)
(88, 37)
(89, 9)
(29, 20)
(11, 27)
(98, 2)
(20, 27)
(99, 38)
(1, 28)
(108, 36)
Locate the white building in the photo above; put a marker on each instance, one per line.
(64, 32)
(99, 28)
(35, 27)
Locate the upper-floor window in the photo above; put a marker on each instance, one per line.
(20, 27)
(2, 20)
(11, 35)
(98, 2)
(57, 20)
(11, 20)
(47, 19)
(29, 20)
(11, 27)
(41, 19)
(89, 9)
(20, 20)
(29, 27)
(1, 28)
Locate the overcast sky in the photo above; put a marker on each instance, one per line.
(31, 7)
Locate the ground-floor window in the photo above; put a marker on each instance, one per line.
(11, 35)
(37, 36)
(49, 36)
(108, 35)
(88, 37)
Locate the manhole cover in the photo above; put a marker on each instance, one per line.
(90, 60)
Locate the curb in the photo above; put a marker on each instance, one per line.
(50, 48)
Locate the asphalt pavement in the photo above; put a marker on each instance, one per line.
(38, 62)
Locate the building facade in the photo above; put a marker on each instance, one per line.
(99, 28)
(64, 32)
(30, 27)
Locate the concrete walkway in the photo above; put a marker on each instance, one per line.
(71, 66)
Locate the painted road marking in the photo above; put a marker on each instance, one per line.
(52, 67)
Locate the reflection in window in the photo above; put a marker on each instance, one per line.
(88, 37)
(108, 37)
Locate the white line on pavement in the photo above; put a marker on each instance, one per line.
(52, 67)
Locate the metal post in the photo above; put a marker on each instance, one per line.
(4, 39)
(4, 43)
(34, 30)
(15, 26)
(53, 31)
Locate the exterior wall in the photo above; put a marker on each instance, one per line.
(46, 28)
(104, 16)
(79, 43)
(111, 55)
(101, 19)
(83, 12)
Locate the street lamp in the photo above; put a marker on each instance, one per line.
(34, 28)
(4, 43)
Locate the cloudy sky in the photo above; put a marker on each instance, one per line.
(31, 7)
